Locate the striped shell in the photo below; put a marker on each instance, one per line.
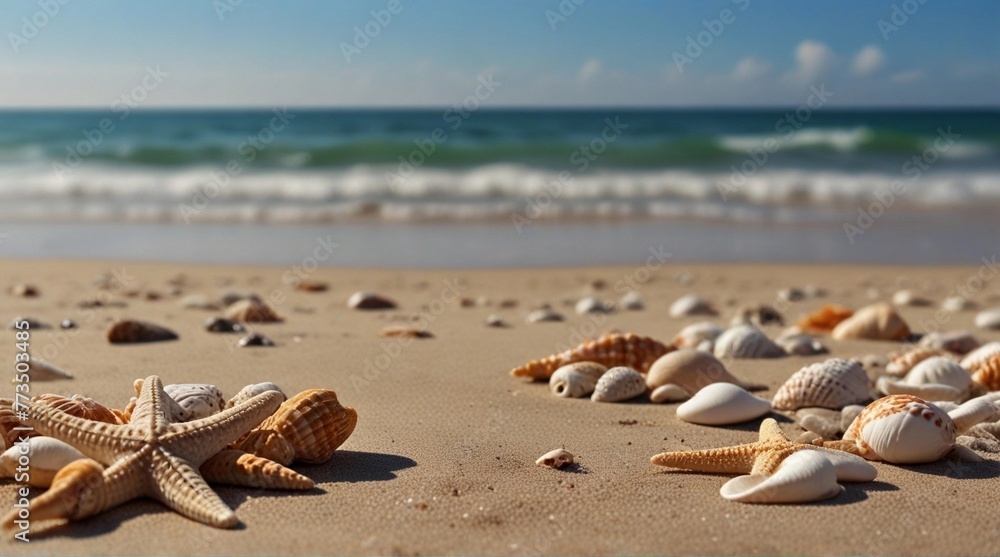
(900, 363)
(834, 384)
(197, 400)
(252, 310)
(874, 322)
(46, 456)
(988, 374)
(127, 331)
(980, 355)
(619, 384)
(81, 407)
(746, 341)
(232, 467)
(825, 319)
(695, 333)
(902, 429)
(313, 423)
(614, 349)
(9, 422)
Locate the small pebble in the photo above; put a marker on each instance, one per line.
(405, 332)
(33, 323)
(496, 321)
(369, 300)
(311, 286)
(255, 339)
(24, 291)
(591, 304)
(223, 325)
(545, 315)
(791, 294)
(555, 459)
(632, 301)
(67, 324)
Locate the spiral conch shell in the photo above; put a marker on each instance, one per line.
(197, 400)
(746, 341)
(44, 456)
(834, 383)
(935, 378)
(614, 349)
(310, 425)
(803, 477)
(690, 370)
(81, 407)
(874, 322)
(576, 380)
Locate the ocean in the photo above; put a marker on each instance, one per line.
(839, 176)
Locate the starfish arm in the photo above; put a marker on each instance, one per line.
(770, 432)
(100, 441)
(768, 461)
(728, 460)
(179, 486)
(204, 438)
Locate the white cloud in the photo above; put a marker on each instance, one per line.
(814, 59)
(750, 68)
(909, 76)
(589, 69)
(869, 60)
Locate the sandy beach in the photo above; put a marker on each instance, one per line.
(442, 460)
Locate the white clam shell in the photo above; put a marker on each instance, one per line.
(576, 380)
(618, 384)
(935, 378)
(555, 459)
(689, 305)
(801, 345)
(977, 357)
(592, 304)
(668, 393)
(834, 384)
(250, 391)
(197, 400)
(696, 333)
(909, 298)
(956, 342)
(988, 319)
(632, 301)
(46, 456)
(746, 341)
(902, 429)
(691, 370)
(722, 404)
(803, 477)
(544, 315)
(957, 303)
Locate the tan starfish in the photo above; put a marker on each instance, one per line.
(763, 457)
(150, 456)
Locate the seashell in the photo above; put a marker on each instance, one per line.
(544, 315)
(576, 380)
(618, 384)
(988, 319)
(874, 322)
(11, 426)
(690, 370)
(77, 490)
(813, 291)
(979, 356)
(132, 331)
(369, 300)
(233, 467)
(935, 378)
(33, 324)
(848, 414)
(223, 325)
(902, 429)
(801, 345)
(689, 305)
(722, 404)
(791, 294)
(40, 370)
(555, 459)
(252, 310)
(988, 374)
(46, 456)
(198, 301)
(695, 333)
(254, 339)
(900, 363)
(746, 341)
(592, 304)
(632, 301)
(24, 290)
(957, 303)
(197, 400)
(909, 298)
(614, 349)
(818, 422)
(976, 410)
(81, 407)
(250, 391)
(313, 424)
(404, 331)
(495, 320)
(311, 286)
(825, 319)
(668, 393)
(67, 324)
(834, 383)
(757, 315)
(956, 342)
(803, 477)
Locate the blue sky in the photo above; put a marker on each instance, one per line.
(432, 53)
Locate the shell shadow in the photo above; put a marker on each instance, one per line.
(985, 470)
(856, 493)
(357, 466)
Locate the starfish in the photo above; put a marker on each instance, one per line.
(150, 456)
(763, 457)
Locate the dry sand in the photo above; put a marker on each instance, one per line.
(442, 457)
